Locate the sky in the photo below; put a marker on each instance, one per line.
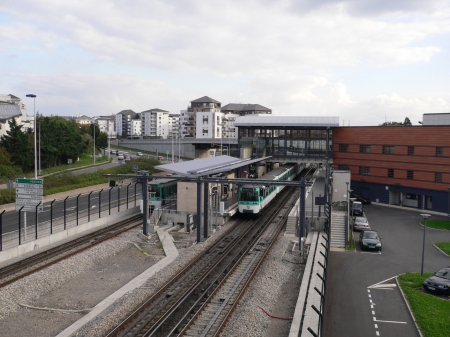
(366, 62)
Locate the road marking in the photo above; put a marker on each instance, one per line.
(396, 322)
(380, 285)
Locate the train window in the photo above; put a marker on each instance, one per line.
(247, 194)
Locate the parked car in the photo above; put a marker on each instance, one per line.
(370, 240)
(439, 282)
(361, 199)
(139, 154)
(357, 209)
(361, 224)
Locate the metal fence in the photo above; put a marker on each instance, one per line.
(18, 227)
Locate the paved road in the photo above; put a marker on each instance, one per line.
(362, 297)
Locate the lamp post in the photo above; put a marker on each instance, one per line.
(94, 141)
(425, 217)
(40, 170)
(35, 152)
(448, 209)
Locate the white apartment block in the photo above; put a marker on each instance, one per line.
(187, 126)
(23, 119)
(174, 126)
(107, 124)
(208, 124)
(126, 125)
(155, 123)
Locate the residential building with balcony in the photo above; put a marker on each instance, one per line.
(128, 124)
(155, 123)
(107, 124)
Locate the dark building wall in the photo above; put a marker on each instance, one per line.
(427, 163)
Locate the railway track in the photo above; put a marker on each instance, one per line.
(45, 259)
(173, 309)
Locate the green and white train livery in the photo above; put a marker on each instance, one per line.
(255, 196)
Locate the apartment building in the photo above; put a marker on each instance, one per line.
(174, 126)
(128, 124)
(107, 124)
(155, 123)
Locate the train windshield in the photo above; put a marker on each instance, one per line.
(248, 194)
(154, 190)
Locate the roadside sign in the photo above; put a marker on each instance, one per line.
(135, 168)
(29, 193)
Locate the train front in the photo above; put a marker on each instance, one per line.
(249, 200)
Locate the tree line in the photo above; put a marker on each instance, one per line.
(59, 140)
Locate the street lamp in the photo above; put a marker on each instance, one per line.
(425, 217)
(94, 141)
(448, 209)
(35, 152)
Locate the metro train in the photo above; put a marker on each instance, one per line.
(255, 196)
(161, 192)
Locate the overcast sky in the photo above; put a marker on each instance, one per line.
(365, 61)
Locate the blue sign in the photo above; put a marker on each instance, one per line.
(135, 168)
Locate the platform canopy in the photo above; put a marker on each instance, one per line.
(207, 166)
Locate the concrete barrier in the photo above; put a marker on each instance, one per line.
(57, 237)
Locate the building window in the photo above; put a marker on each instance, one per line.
(343, 167)
(364, 148)
(388, 149)
(438, 177)
(410, 150)
(390, 173)
(411, 196)
(343, 147)
(409, 174)
(364, 170)
(439, 151)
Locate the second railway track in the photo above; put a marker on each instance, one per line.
(28, 266)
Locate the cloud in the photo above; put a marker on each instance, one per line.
(230, 38)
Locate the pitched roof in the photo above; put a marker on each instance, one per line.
(205, 99)
(9, 110)
(127, 112)
(244, 107)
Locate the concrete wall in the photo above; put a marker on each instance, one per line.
(54, 238)
(339, 185)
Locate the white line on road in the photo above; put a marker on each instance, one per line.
(396, 322)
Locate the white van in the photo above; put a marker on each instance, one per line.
(120, 157)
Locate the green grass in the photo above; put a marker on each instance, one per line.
(431, 313)
(438, 224)
(444, 246)
(66, 180)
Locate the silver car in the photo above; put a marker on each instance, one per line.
(361, 224)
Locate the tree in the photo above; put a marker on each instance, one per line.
(17, 144)
(406, 122)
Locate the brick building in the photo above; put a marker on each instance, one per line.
(399, 165)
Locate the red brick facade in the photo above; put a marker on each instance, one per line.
(428, 158)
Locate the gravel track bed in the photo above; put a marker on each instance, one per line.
(79, 282)
(274, 288)
(122, 308)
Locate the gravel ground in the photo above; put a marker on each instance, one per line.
(120, 309)
(275, 288)
(87, 278)
(74, 284)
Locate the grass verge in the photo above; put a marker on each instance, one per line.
(444, 246)
(438, 224)
(431, 313)
(66, 180)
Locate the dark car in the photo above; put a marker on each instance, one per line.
(439, 282)
(357, 209)
(361, 199)
(370, 240)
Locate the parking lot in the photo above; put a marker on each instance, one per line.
(362, 296)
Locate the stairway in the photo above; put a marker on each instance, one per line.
(291, 225)
(337, 229)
